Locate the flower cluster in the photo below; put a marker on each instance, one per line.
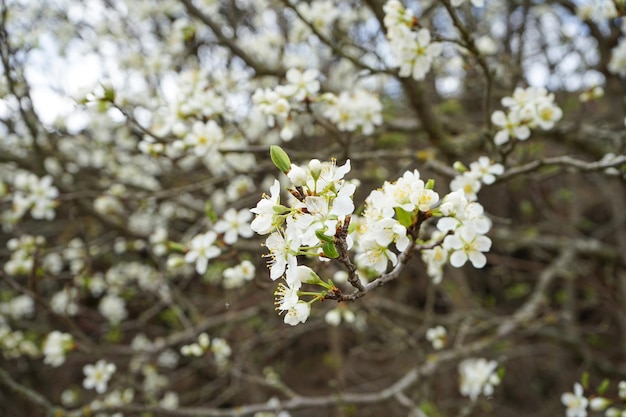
(320, 14)
(388, 213)
(115, 398)
(336, 315)
(478, 376)
(348, 110)
(219, 347)
(204, 247)
(238, 275)
(321, 206)
(23, 250)
(393, 214)
(438, 336)
(197, 348)
(351, 110)
(413, 50)
(528, 108)
(577, 402)
(277, 103)
(35, 194)
(317, 223)
(480, 172)
(597, 11)
(56, 345)
(462, 228)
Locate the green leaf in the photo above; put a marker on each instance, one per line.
(323, 237)
(404, 217)
(330, 250)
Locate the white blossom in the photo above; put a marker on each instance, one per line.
(575, 402)
(477, 376)
(97, 376)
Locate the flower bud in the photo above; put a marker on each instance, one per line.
(297, 175)
(315, 166)
(333, 317)
(280, 158)
(459, 166)
(306, 275)
(599, 403)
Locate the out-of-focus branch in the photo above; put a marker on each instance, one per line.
(523, 315)
(260, 68)
(295, 403)
(415, 94)
(336, 49)
(506, 237)
(28, 394)
(565, 160)
(468, 42)
(28, 115)
(189, 334)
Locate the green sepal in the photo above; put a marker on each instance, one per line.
(280, 158)
(330, 250)
(278, 209)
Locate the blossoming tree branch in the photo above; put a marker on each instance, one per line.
(278, 208)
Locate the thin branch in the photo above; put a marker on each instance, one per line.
(468, 42)
(25, 392)
(562, 161)
(258, 67)
(524, 314)
(336, 50)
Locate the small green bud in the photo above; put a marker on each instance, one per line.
(603, 386)
(459, 166)
(330, 250)
(599, 403)
(280, 158)
(209, 212)
(430, 184)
